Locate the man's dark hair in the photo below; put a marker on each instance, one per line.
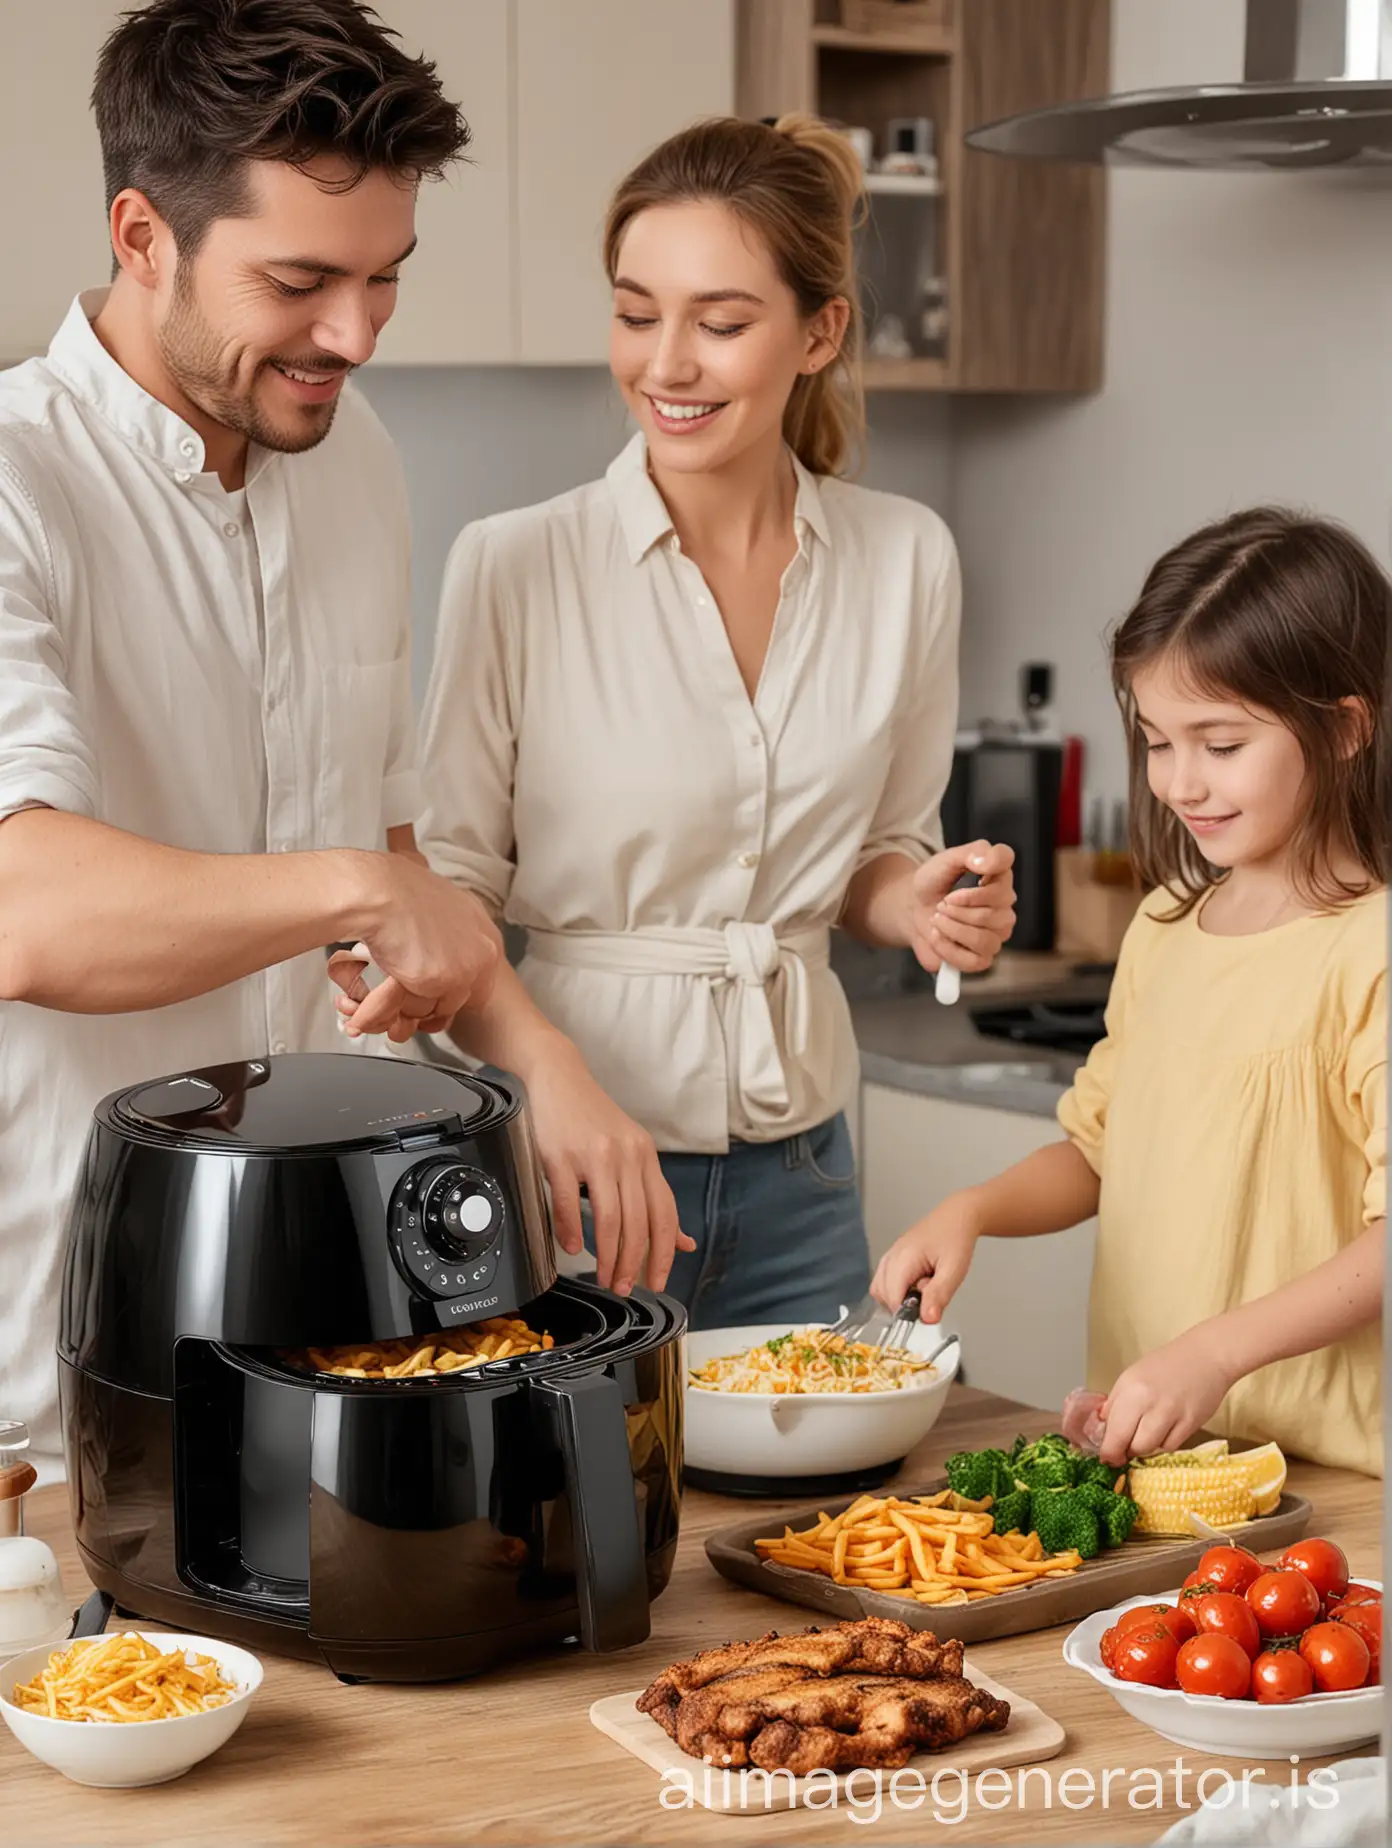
(188, 91)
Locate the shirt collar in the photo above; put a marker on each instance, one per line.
(643, 513)
(93, 376)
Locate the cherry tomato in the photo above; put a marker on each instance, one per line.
(1142, 1617)
(1148, 1656)
(1279, 1675)
(1230, 1568)
(1214, 1665)
(1323, 1564)
(1366, 1621)
(1338, 1657)
(1193, 1589)
(1361, 1594)
(1223, 1613)
(1285, 1603)
(1180, 1621)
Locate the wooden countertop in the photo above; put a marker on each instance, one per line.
(513, 1757)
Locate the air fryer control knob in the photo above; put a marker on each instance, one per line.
(445, 1215)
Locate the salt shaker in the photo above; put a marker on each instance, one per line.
(33, 1610)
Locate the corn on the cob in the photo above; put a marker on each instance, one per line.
(1223, 1491)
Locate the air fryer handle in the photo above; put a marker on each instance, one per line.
(610, 1570)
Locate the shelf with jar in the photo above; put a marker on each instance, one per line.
(979, 273)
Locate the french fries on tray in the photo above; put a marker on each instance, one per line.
(936, 1549)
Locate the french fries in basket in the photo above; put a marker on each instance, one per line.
(936, 1549)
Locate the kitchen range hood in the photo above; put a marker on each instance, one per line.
(1318, 93)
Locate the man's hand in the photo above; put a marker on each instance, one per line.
(1164, 1398)
(435, 944)
(586, 1140)
(965, 928)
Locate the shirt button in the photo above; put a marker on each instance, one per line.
(231, 528)
(755, 739)
(188, 447)
(279, 1046)
(182, 476)
(700, 603)
(749, 860)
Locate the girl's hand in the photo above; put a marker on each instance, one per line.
(964, 928)
(584, 1139)
(934, 1255)
(1161, 1401)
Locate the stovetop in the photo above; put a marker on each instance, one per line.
(1059, 1026)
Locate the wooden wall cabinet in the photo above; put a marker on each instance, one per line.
(563, 97)
(1023, 242)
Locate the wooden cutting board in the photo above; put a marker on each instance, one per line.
(1155, 1564)
(1030, 1737)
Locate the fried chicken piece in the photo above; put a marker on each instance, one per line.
(849, 1720)
(868, 1693)
(702, 1726)
(883, 1645)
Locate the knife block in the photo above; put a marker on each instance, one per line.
(1091, 919)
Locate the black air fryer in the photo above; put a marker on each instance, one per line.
(227, 1220)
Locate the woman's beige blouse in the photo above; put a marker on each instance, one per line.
(596, 772)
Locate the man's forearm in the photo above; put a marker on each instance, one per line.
(1326, 1305)
(97, 921)
(877, 907)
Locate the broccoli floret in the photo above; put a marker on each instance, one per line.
(1118, 1518)
(1116, 1514)
(976, 1473)
(1063, 1519)
(1050, 1472)
(1012, 1512)
(1050, 1462)
(1103, 1474)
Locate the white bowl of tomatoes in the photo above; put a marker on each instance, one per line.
(1247, 1660)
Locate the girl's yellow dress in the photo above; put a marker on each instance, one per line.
(1236, 1114)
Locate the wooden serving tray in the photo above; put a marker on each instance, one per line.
(1030, 1737)
(1158, 1563)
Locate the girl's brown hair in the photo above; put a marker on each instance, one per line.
(1288, 615)
(798, 184)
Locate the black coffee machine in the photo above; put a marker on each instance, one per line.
(227, 1220)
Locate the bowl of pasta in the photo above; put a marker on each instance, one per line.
(773, 1409)
(128, 1709)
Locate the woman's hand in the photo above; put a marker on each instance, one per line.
(586, 1140)
(1161, 1401)
(934, 1256)
(964, 928)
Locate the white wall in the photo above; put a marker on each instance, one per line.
(1249, 358)
(478, 440)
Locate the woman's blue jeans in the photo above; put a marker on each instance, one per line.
(778, 1229)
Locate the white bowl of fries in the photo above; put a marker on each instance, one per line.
(112, 1732)
(786, 1432)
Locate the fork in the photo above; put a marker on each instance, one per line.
(856, 1323)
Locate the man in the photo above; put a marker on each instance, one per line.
(206, 735)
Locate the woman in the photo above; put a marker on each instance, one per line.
(685, 720)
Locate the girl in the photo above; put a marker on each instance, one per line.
(1230, 1130)
(685, 720)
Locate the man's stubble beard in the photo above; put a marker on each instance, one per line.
(192, 356)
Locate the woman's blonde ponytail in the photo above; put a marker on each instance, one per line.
(798, 184)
